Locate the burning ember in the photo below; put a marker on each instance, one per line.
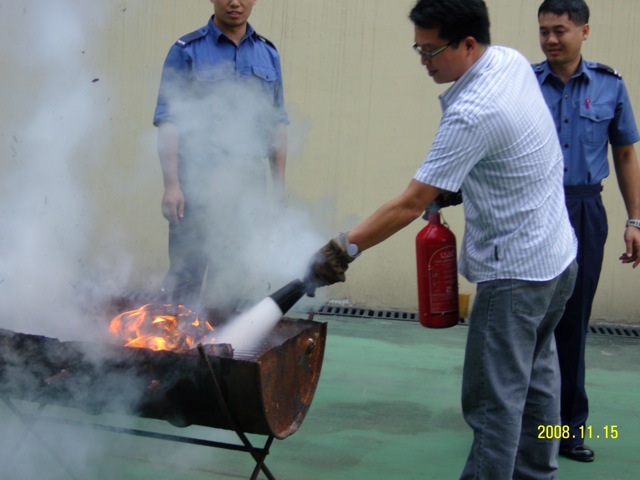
(161, 327)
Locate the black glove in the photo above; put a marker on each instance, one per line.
(448, 199)
(327, 265)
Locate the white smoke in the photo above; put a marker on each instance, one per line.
(46, 213)
(49, 146)
(256, 244)
(53, 142)
(47, 265)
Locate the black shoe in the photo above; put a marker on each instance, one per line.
(580, 453)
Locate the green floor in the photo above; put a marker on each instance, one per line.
(387, 407)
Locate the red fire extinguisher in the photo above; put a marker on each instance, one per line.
(437, 274)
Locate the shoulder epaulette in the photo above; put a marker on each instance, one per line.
(604, 68)
(538, 67)
(267, 41)
(190, 37)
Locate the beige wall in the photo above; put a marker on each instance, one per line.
(363, 116)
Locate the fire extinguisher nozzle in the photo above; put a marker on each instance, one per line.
(287, 296)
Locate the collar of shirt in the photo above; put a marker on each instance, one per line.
(450, 95)
(217, 33)
(582, 70)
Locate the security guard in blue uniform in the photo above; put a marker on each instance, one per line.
(220, 105)
(591, 108)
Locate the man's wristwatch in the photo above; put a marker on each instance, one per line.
(633, 223)
(351, 248)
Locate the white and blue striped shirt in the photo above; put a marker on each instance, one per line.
(497, 142)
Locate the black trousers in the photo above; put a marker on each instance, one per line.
(589, 220)
(189, 258)
(220, 201)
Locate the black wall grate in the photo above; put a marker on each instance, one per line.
(629, 331)
(368, 313)
(615, 330)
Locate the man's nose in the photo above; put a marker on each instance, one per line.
(553, 39)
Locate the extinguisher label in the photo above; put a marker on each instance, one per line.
(443, 280)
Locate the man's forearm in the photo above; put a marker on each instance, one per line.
(394, 215)
(278, 166)
(278, 157)
(168, 153)
(628, 175)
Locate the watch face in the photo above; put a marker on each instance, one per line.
(352, 249)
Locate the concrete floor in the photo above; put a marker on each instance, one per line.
(387, 407)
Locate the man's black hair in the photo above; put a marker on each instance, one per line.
(455, 20)
(576, 10)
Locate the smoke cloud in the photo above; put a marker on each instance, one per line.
(228, 126)
(47, 215)
(54, 140)
(49, 270)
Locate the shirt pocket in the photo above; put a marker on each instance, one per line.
(267, 77)
(265, 73)
(595, 120)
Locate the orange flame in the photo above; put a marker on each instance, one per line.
(161, 327)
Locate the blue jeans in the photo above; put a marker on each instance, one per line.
(511, 378)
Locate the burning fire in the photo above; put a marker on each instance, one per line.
(161, 327)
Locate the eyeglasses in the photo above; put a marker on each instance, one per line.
(429, 55)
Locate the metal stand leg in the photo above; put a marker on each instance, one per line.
(258, 456)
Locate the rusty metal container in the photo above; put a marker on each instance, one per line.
(267, 392)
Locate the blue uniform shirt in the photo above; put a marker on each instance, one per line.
(590, 111)
(205, 57)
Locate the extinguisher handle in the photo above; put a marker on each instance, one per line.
(446, 199)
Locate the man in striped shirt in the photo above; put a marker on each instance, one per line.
(497, 144)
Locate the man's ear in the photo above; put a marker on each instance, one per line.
(470, 44)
